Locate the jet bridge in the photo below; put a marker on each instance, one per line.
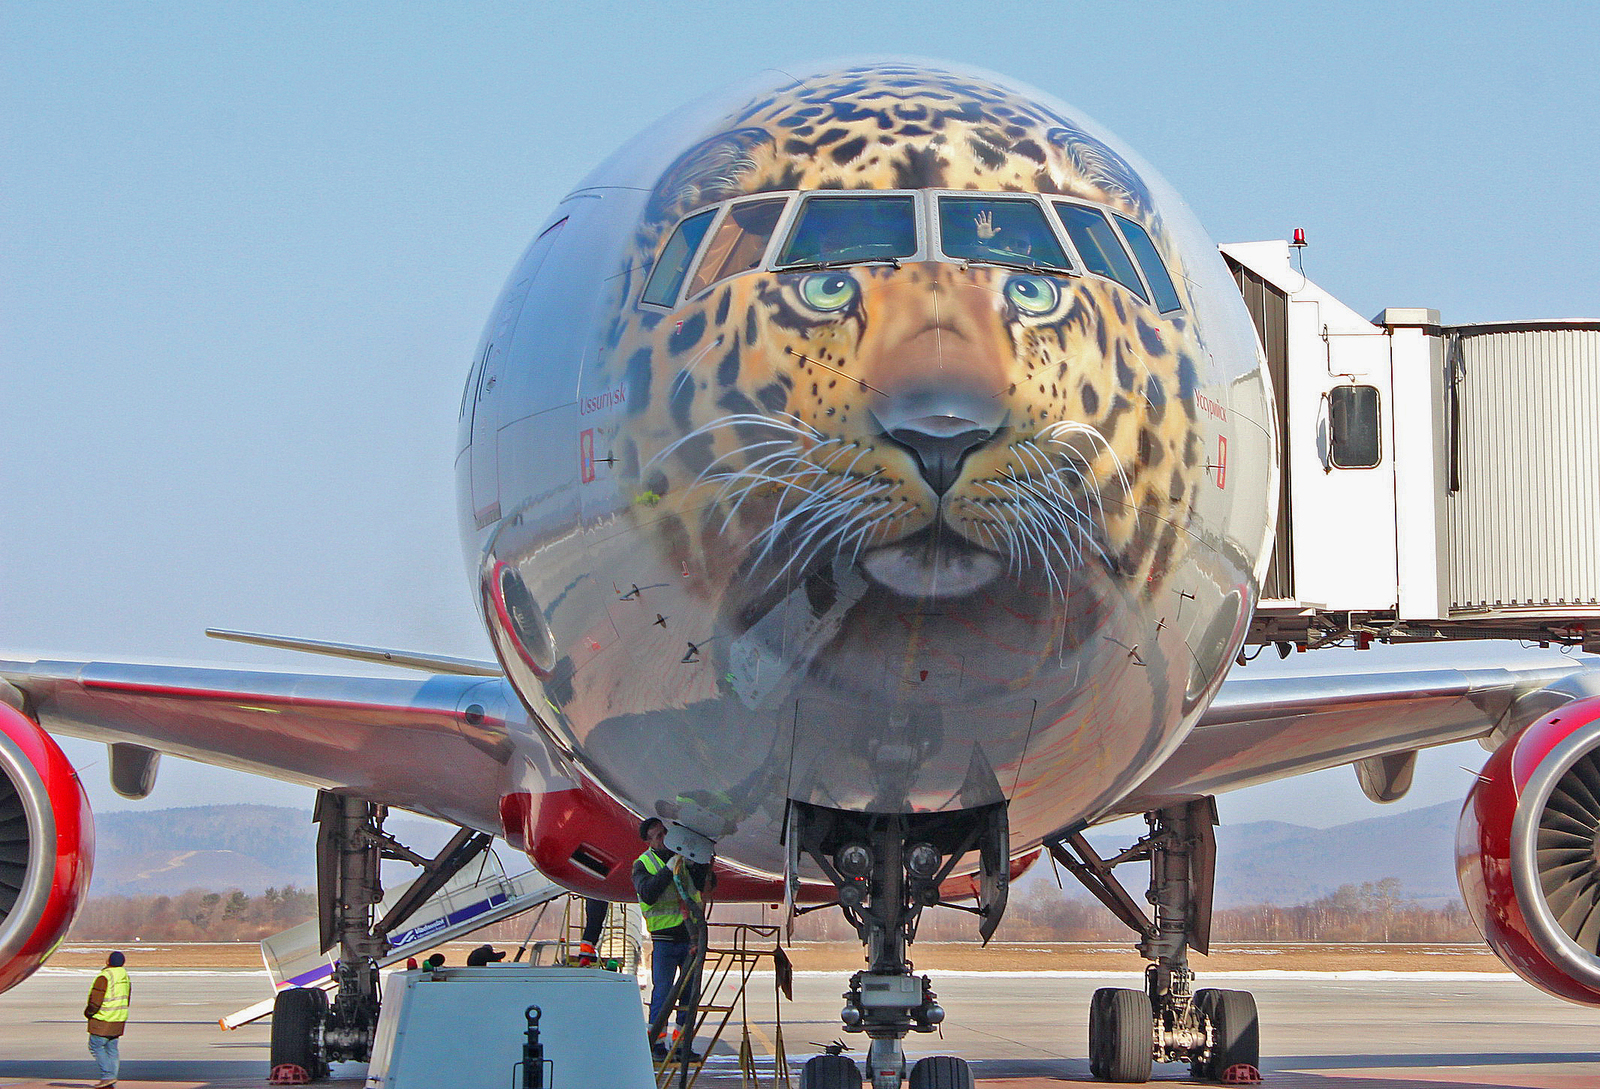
(1438, 481)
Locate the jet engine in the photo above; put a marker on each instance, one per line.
(1528, 856)
(46, 845)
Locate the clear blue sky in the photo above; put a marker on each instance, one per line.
(246, 251)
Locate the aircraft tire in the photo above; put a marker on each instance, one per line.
(1204, 999)
(1119, 1035)
(297, 1015)
(1097, 1045)
(1236, 1030)
(830, 1072)
(940, 1072)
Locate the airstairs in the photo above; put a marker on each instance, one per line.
(1438, 481)
(472, 899)
(738, 955)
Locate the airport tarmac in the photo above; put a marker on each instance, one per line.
(1026, 1029)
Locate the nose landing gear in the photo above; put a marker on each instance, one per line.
(887, 868)
(1214, 1031)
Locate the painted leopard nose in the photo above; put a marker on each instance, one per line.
(940, 425)
(940, 444)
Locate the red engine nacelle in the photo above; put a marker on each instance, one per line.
(46, 845)
(1528, 852)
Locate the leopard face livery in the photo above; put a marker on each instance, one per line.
(899, 385)
(884, 440)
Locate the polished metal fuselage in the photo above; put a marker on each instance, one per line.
(687, 691)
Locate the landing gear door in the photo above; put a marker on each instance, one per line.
(994, 881)
(791, 870)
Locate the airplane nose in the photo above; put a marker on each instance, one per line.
(940, 443)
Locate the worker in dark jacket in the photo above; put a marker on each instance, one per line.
(672, 948)
(485, 955)
(107, 1011)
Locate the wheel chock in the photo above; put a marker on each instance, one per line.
(289, 1074)
(1241, 1074)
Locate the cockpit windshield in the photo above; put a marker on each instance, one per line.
(816, 230)
(997, 230)
(838, 229)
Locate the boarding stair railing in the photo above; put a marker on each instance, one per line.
(620, 948)
(735, 954)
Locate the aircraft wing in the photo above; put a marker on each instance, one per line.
(436, 745)
(1264, 728)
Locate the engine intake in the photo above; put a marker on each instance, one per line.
(46, 845)
(1528, 852)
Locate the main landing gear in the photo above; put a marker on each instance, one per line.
(1214, 1031)
(887, 868)
(310, 1029)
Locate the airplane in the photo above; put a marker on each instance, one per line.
(873, 475)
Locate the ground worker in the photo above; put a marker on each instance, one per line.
(485, 955)
(672, 949)
(594, 924)
(107, 1011)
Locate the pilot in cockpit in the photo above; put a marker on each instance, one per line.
(1016, 245)
(1007, 231)
(1011, 240)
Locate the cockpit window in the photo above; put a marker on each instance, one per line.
(999, 231)
(1098, 245)
(667, 276)
(842, 230)
(1155, 273)
(739, 243)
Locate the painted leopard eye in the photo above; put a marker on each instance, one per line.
(828, 290)
(1032, 294)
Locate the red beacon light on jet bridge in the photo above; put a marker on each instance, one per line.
(1299, 238)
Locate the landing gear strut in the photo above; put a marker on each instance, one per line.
(309, 1028)
(887, 868)
(1214, 1031)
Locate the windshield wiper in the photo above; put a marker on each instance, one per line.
(821, 266)
(1002, 263)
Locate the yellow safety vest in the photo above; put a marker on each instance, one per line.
(666, 912)
(115, 1005)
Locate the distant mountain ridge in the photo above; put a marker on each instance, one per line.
(253, 847)
(155, 852)
(1275, 862)
(1271, 862)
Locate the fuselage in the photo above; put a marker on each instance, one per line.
(891, 441)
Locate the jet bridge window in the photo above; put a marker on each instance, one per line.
(1354, 439)
(740, 243)
(999, 230)
(846, 229)
(667, 276)
(1097, 244)
(1155, 273)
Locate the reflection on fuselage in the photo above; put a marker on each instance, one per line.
(885, 501)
